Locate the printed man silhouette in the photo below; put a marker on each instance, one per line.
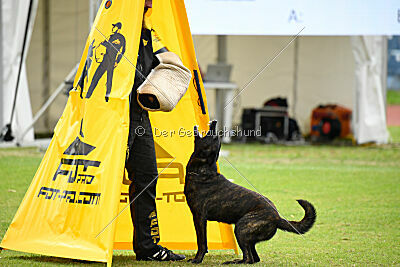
(86, 68)
(115, 49)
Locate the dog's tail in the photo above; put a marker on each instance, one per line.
(302, 226)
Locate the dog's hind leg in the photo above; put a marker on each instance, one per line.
(200, 225)
(242, 237)
(247, 254)
(254, 253)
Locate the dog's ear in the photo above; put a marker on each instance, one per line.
(213, 125)
(196, 133)
(213, 130)
(219, 149)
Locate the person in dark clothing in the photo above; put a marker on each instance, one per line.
(115, 49)
(141, 159)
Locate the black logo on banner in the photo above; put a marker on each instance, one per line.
(108, 53)
(173, 197)
(69, 196)
(76, 170)
(79, 148)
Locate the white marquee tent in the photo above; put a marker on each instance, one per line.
(366, 20)
(17, 20)
(17, 24)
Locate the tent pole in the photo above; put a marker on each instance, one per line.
(224, 116)
(219, 94)
(295, 75)
(1, 67)
(7, 136)
(384, 70)
(46, 57)
(222, 53)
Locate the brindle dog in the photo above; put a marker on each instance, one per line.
(211, 197)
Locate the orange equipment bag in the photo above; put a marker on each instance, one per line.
(331, 121)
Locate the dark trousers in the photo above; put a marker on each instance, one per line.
(142, 170)
(106, 65)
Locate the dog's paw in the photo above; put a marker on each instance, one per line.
(195, 261)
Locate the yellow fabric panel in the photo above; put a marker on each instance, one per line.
(76, 190)
(157, 41)
(173, 134)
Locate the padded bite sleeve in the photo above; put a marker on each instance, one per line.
(167, 82)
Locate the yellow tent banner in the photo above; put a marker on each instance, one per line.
(70, 209)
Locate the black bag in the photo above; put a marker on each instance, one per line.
(273, 127)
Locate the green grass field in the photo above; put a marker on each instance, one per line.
(395, 134)
(355, 190)
(393, 97)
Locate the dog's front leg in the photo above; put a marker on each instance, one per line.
(200, 224)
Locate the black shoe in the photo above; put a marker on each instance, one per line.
(163, 254)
